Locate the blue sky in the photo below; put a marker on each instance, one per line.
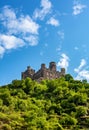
(38, 32)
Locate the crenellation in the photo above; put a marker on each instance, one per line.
(43, 72)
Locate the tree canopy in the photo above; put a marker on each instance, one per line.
(58, 104)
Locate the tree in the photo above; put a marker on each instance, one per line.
(68, 77)
(84, 81)
(81, 111)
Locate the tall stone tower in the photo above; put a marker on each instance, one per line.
(52, 66)
(62, 71)
(28, 73)
(43, 66)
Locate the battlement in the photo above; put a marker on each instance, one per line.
(43, 72)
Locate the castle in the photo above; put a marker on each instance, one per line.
(43, 72)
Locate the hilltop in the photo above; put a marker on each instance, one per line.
(58, 104)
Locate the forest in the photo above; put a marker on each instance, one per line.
(58, 104)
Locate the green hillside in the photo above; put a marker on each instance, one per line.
(60, 104)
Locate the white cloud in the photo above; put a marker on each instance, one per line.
(54, 22)
(46, 4)
(81, 71)
(32, 40)
(82, 64)
(10, 42)
(23, 24)
(64, 61)
(26, 25)
(83, 74)
(78, 8)
(18, 30)
(45, 9)
(8, 13)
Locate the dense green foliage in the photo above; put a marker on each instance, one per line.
(60, 104)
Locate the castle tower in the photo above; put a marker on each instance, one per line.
(28, 73)
(28, 68)
(43, 66)
(52, 66)
(62, 71)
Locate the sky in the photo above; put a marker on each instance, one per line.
(40, 31)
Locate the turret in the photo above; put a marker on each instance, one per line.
(62, 71)
(28, 67)
(28, 73)
(52, 66)
(43, 66)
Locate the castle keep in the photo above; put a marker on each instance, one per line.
(43, 72)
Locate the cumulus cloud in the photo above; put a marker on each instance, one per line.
(82, 72)
(8, 13)
(23, 24)
(18, 30)
(78, 8)
(64, 61)
(32, 40)
(54, 22)
(46, 6)
(10, 42)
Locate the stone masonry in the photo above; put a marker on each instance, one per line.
(43, 72)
